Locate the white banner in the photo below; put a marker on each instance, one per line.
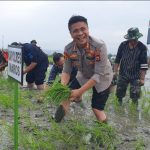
(15, 64)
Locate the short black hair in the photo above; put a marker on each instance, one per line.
(57, 56)
(15, 43)
(33, 41)
(75, 19)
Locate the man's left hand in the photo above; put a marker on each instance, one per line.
(141, 82)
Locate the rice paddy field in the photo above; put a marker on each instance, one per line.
(128, 126)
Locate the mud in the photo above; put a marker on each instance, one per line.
(133, 128)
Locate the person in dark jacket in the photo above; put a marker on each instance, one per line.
(33, 42)
(36, 65)
(57, 68)
(131, 60)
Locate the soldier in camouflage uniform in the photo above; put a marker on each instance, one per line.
(94, 69)
(131, 60)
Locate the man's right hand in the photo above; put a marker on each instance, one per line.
(115, 78)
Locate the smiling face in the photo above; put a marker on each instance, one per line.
(80, 33)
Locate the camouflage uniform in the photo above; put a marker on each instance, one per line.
(135, 88)
(131, 61)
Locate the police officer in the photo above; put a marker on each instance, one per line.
(131, 60)
(94, 69)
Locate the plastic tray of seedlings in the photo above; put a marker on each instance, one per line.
(58, 93)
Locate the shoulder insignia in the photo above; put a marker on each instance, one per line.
(97, 55)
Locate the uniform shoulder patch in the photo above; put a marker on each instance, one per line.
(97, 55)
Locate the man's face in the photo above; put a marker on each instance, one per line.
(80, 33)
(33, 43)
(60, 63)
(133, 42)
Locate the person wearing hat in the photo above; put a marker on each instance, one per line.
(131, 60)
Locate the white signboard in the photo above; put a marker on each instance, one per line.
(15, 63)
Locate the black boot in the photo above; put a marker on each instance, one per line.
(135, 101)
(120, 101)
(60, 113)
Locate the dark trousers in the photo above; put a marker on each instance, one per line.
(135, 88)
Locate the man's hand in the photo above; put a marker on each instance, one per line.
(30, 67)
(75, 95)
(115, 78)
(142, 82)
(24, 71)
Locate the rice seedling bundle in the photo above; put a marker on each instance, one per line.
(58, 93)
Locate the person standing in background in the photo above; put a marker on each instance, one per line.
(131, 60)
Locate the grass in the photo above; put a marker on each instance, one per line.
(140, 145)
(50, 58)
(72, 134)
(57, 93)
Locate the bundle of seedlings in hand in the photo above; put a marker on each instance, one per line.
(58, 93)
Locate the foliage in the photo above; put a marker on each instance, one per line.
(71, 135)
(57, 93)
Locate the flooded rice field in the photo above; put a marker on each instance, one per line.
(38, 131)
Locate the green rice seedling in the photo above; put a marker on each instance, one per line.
(145, 103)
(57, 93)
(35, 138)
(132, 107)
(5, 101)
(140, 145)
(104, 135)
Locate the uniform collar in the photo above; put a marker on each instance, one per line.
(87, 46)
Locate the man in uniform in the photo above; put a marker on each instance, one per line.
(94, 69)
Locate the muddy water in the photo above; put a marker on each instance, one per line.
(132, 127)
(147, 80)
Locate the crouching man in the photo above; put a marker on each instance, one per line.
(94, 69)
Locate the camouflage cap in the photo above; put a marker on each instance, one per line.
(133, 34)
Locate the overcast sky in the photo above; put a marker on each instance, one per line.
(46, 21)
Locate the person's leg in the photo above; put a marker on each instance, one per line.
(135, 91)
(30, 85)
(121, 88)
(100, 115)
(98, 104)
(30, 80)
(64, 106)
(40, 74)
(40, 87)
